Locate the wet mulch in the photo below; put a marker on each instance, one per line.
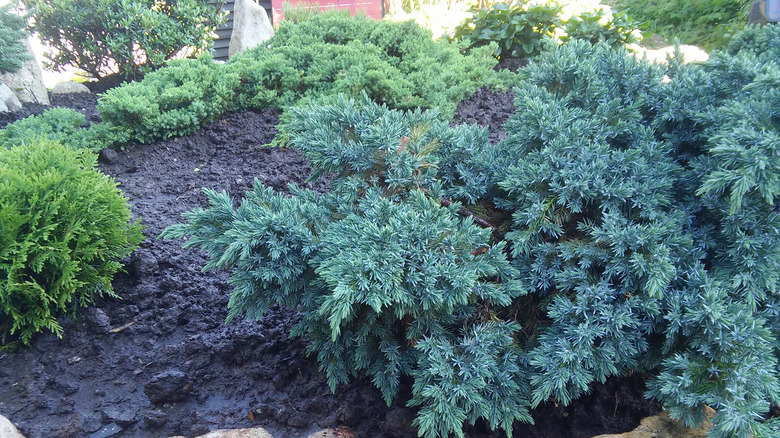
(161, 361)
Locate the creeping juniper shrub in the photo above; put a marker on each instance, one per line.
(64, 227)
(398, 64)
(626, 236)
(62, 125)
(324, 55)
(170, 102)
(378, 264)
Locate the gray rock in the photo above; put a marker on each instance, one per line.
(90, 422)
(8, 430)
(168, 387)
(27, 83)
(107, 431)
(8, 100)
(662, 426)
(108, 156)
(251, 26)
(143, 264)
(155, 419)
(118, 415)
(757, 13)
(98, 320)
(69, 87)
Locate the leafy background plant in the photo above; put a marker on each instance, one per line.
(521, 27)
(707, 23)
(64, 227)
(129, 37)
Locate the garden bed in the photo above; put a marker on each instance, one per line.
(162, 362)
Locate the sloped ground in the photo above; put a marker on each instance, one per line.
(161, 361)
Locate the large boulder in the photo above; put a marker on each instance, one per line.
(663, 426)
(69, 87)
(257, 432)
(659, 56)
(8, 100)
(8, 430)
(251, 26)
(27, 83)
(757, 13)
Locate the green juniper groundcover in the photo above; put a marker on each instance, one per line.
(628, 223)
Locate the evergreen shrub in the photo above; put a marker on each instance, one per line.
(170, 102)
(12, 51)
(398, 64)
(129, 37)
(62, 125)
(64, 227)
(312, 61)
(627, 224)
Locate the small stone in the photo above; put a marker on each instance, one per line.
(27, 82)
(251, 26)
(91, 423)
(69, 87)
(339, 432)
(298, 420)
(98, 320)
(168, 387)
(108, 156)
(663, 426)
(143, 264)
(155, 419)
(107, 431)
(118, 415)
(74, 360)
(257, 432)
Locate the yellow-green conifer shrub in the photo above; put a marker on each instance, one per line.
(64, 227)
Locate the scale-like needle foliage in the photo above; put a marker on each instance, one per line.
(627, 224)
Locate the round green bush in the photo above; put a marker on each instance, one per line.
(130, 37)
(64, 227)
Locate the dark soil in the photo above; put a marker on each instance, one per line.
(162, 362)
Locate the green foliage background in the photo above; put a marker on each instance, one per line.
(522, 28)
(135, 36)
(707, 23)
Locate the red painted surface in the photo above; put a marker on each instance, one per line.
(372, 8)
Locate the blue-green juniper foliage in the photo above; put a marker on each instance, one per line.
(634, 230)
